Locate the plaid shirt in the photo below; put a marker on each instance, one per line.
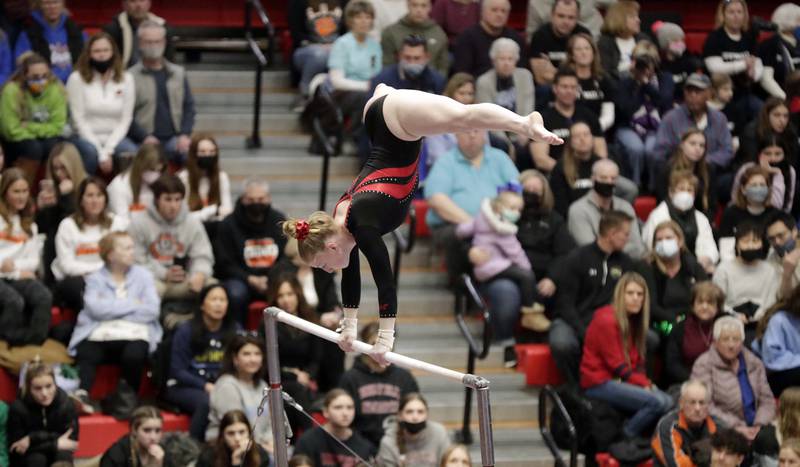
(719, 148)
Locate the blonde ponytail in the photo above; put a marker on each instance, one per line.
(310, 233)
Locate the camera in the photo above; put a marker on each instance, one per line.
(644, 62)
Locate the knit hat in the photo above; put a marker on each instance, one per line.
(666, 33)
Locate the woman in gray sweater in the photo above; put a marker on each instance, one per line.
(412, 439)
(239, 388)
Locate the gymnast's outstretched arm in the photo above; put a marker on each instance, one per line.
(411, 115)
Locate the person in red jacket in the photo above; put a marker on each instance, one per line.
(612, 367)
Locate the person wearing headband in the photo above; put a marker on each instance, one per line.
(379, 199)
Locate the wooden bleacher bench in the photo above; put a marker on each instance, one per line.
(212, 39)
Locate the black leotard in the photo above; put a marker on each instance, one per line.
(379, 201)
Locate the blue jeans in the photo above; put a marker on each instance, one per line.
(646, 405)
(193, 401)
(637, 150)
(90, 156)
(239, 295)
(310, 60)
(504, 300)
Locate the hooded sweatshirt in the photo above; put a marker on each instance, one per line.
(244, 247)
(158, 242)
(376, 395)
(498, 237)
(425, 450)
(44, 425)
(78, 250)
(24, 115)
(393, 36)
(61, 44)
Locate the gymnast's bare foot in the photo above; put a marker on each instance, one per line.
(539, 132)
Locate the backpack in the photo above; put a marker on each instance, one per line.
(322, 109)
(597, 424)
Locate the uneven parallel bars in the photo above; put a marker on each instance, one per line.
(472, 381)
(273, 314)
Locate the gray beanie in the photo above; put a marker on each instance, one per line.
(666, 33)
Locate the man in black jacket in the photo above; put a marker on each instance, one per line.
(123, 29)
(249, 247)
(585, 281)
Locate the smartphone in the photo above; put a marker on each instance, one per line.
(47, 185)
(180, 261)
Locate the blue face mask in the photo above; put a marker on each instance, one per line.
(413, 70)
(786, 248)
(797, 33)
(510, 215)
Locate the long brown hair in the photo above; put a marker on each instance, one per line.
(25, 62)
(196, 174)
(676, 229)
(597, 66)
(739, 199)
(36, 368)
(632, 328)
(139, 415)
(303, 308)
(222, 453)
(9, 177)
(571, 161)
(404, 401)
(547, 200)
(79, 216)
(85, 68)
(789, 304)
(615, 21)
(789, 419)
(719, 15)
(679, 162)
(148, 156)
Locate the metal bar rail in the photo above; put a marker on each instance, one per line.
(544, 428)
(463, 297)
(262, 60)
(273, 315)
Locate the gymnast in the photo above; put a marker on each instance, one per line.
(378, 200)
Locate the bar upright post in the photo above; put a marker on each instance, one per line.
(275, 392)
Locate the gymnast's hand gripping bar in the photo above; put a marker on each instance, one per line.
(273, 314)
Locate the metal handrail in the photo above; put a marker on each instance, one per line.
(475, 352)
(546, 393)
(328, 149)
(403, 244)
(262, 60)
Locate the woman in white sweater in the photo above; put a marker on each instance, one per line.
(24, 301)
(101, 96)
(208, 189)
(77, 242)
(130, 191)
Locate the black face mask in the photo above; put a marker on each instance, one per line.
(101, 66)
(206, 163)
(532, 200)
(606, 190)
(751, 255)
(256, 211)
(413, 428)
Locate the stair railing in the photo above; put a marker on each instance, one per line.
(467, 298)
(403, 244)
(329, 144)
(548, 393)
(262, 60)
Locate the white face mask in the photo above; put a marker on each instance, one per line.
(667, 248)
(683, 200)
(150, 176)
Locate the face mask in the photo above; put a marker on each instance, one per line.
(786, 248)
(606, 190)
(667, 248)
(412, 70)
(510, 215)
(36, 86)
(100, 66)
(683, 200)
(256, 211)
(206, 163)
(756, 194)
(152, 52)
(750, 255)
(150, 176)
(413, 428)
(532, 200)
(677, 48)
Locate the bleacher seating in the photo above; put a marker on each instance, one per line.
(536, 361)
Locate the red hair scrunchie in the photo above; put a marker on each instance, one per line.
(301, 230)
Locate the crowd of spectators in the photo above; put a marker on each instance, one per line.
(161, 264)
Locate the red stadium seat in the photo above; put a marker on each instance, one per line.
(421, 209)
(254, 314)
(604, 459)
(8, 386)
(537, 363)
(644, 205)
(99, 432)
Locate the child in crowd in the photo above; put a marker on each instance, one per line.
(494, 230)
(772, 157)
(413, 439)
(339, 410)
(42, 422)
(456, 455)
(234, 447)
(129, 191)
(142, 446)
(721, 96)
